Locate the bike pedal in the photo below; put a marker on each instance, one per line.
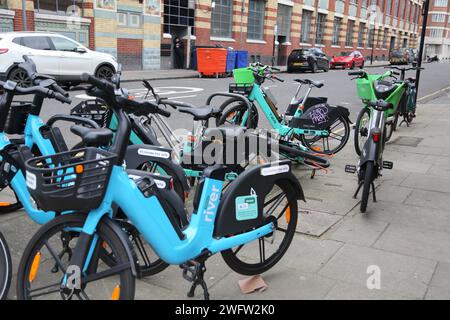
(190, 270)
(350, 168)
(388, 164)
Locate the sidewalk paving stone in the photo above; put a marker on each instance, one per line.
(350, 291)
(426, 182)
(429, 199)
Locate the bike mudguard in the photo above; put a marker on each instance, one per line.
(320, 117)
(139, 154)
(241, 207)
(370, 152)
(126, 242)
(310, 102)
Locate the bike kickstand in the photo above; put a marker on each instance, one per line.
(313, 173)
(374, 193)
(357, 190)
(197, 270)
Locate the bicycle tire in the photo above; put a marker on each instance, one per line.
(240, 108)
(307, 142)
(5, 268)
(244, 267)
(368, 179)
(6, 208)
(294, 153)
(73, 221)
(358, 131)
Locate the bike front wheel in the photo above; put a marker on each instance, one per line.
(362, 128)
(5, 268)
(256, 257)
(47, 256)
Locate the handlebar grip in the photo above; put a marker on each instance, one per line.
(275, 77)
(60, 90)
(396, 73)
(356, 73)
(276, 69)
(99, 83)
(62, 98)
(164, 113)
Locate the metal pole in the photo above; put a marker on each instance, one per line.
(373, 45)
(242, 17)
(425, 8)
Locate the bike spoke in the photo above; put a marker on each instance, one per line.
(238, 249)
(262, 250)
(107, 273)
(55, 257)
(282, 211)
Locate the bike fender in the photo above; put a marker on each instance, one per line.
(125, 242)
(139, 154)
(343, 111)
(369, 152)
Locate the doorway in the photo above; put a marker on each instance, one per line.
(392, 44)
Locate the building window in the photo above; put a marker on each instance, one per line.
(385, 37)
(371, 36)
(401, 10)
(362, 27)
(436, 33)
(55, 6)
(389, 7)
(3, 3)
(255, 27)
(438, 17)
(440, 3)
(306, 26)
(396, 5)
(321, 19)
(284, 18)
(349, 34)
(128, 19)
(408, 10)
(178, 13)
(222, 18)
(336, 31)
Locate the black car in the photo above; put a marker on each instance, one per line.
(312, 59)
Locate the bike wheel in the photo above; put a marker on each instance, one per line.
(234, 114)
(8, 207)
(252, 258)
(5, 268)
(339, 132)
(46, 258)
(362, 127)
(310, 159)
(368, 179)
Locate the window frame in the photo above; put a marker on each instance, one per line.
(306, 30)
(361, 33)
(349, 33)
(336, 31)
(320, 28)
(58, 12)
(260, 14)
(221, 21)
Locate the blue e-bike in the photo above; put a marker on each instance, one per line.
(251, 223)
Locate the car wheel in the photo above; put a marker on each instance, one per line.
(362, 66)
(352, 66)
(20, 77)
(289, 70)
(104, 72)
(326, 69)
(314, 67)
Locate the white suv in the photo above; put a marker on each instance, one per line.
(54, 55)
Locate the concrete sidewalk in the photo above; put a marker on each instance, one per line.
(405, 235)
(139, 75)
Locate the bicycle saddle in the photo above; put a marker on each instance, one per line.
(202, 113)
(317, 84)
(93, 137)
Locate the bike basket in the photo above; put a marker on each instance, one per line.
(365, 89)
(240, 88)
(243, 76)
(74, 180)
(17, 117)
(94, 110)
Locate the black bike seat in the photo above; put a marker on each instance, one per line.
(317, 84)
(93, 137)
(201, 113)
(381, 105)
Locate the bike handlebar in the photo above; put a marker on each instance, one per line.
(174, 104)
(97, 82)
(35, 90)
(359, 73)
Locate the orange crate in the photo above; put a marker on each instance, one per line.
(211, 61)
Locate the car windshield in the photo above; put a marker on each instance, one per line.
(300, 51)
(344, 54)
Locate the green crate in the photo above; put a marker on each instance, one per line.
(243, 76)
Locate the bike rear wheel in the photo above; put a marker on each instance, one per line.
(234, 114)
(362, 128)
(339, 132)
(5, 268)
(368, 179)
(280, 204)
(46, 258)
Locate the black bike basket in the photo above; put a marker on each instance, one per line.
(74, 180)
(94, 110)
(241, 88)
(17, 117)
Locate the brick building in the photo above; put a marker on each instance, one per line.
(272, 28)
(437, 40)
(128, 29)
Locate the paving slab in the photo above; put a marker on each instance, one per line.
(418, 242)
(359, 229)
(426, 182)
(429, 199)
(438, 293)
(350, 291)
(315, 223)
(400, 274)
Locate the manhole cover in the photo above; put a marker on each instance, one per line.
(407, 141)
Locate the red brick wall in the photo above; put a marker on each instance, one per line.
(18, 20)
(129, 53)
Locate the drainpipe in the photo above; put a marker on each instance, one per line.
(24, 14)
(242, 15)
(425, 9)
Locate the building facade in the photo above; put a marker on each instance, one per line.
(130, 30)
(437, 39)
(270, 29)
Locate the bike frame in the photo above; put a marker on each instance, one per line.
(156, 227)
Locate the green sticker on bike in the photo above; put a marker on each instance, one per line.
(246, 208)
